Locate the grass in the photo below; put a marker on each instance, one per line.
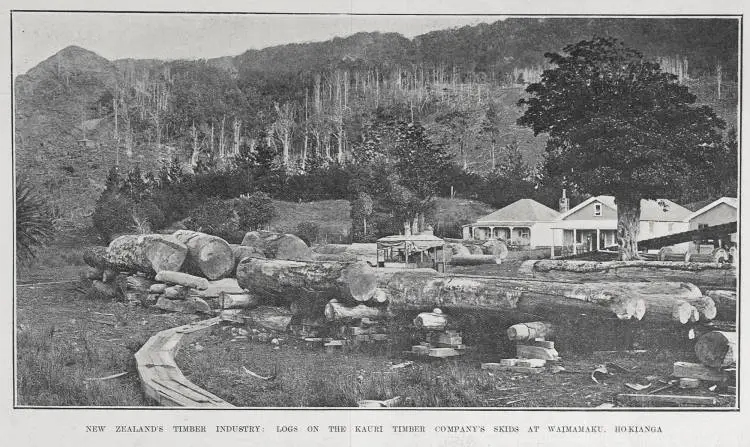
(65, 334)
(308, 377)
(332, 216)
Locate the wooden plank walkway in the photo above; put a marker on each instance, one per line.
(160, 376)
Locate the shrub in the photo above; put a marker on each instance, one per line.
(113, 215)
(214, 216)
(308, 232)
(255, 210)
(33, 224)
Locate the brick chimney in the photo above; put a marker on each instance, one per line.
(564, 203)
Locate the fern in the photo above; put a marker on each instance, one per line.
(33, 224)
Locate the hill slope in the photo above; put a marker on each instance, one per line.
(65, 123)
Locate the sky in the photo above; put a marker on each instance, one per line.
(39, 35)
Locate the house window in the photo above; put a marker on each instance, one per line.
(525, 233)
(597, 209)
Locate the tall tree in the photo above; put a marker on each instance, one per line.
(619, 125)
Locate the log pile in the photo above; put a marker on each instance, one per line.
(438, 341)
(702, 274)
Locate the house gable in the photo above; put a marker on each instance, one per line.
(718, 214)
(588, 211)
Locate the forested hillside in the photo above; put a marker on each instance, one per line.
(78, 114)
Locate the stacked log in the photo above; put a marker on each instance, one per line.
(726, 304)
(531, 330)
(432, 321)
(336, 311)
(275, 280)
(147, 253)
(208, 256)
(474, 260)
(717, 349)
(422, 289)
(278, 246)
(703, 275)
(718, 255)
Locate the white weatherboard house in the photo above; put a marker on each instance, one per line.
(524, 222)
(720, 211)
(593, 223)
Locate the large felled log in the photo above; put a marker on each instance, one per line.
(705, 305)
(726, 304)
(431, 321)
(530, 331)
(242, 251)
(422, 289)
(717, 349)
(661, 308)
(336, 311)
(269, 317)
(95, 257)
(718, 255)
(207, 255)
(288, 281)
(237, 300)
(147, 253)
(337, 257)
(474, 260)
(182, 279)
(278, 246)
(703, 275)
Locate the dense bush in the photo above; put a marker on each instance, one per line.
(254, 211)
(308, 232)
(214, 216)
(113, 215)
(33, 224)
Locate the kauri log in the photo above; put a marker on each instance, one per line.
(703, 275)
(665, 308)
(147, 253)
(288, 281)
(726, 304)
(95, 257)
(557, 300)
(182, 279)
(242, 251)
(336, 311)
(208, 256)
(530, 331)
(237, 300)
(278, 245)
(717, 349)
(269, 317)
(475, 260)
(431, 321)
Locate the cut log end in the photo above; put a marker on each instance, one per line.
(717, 349)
